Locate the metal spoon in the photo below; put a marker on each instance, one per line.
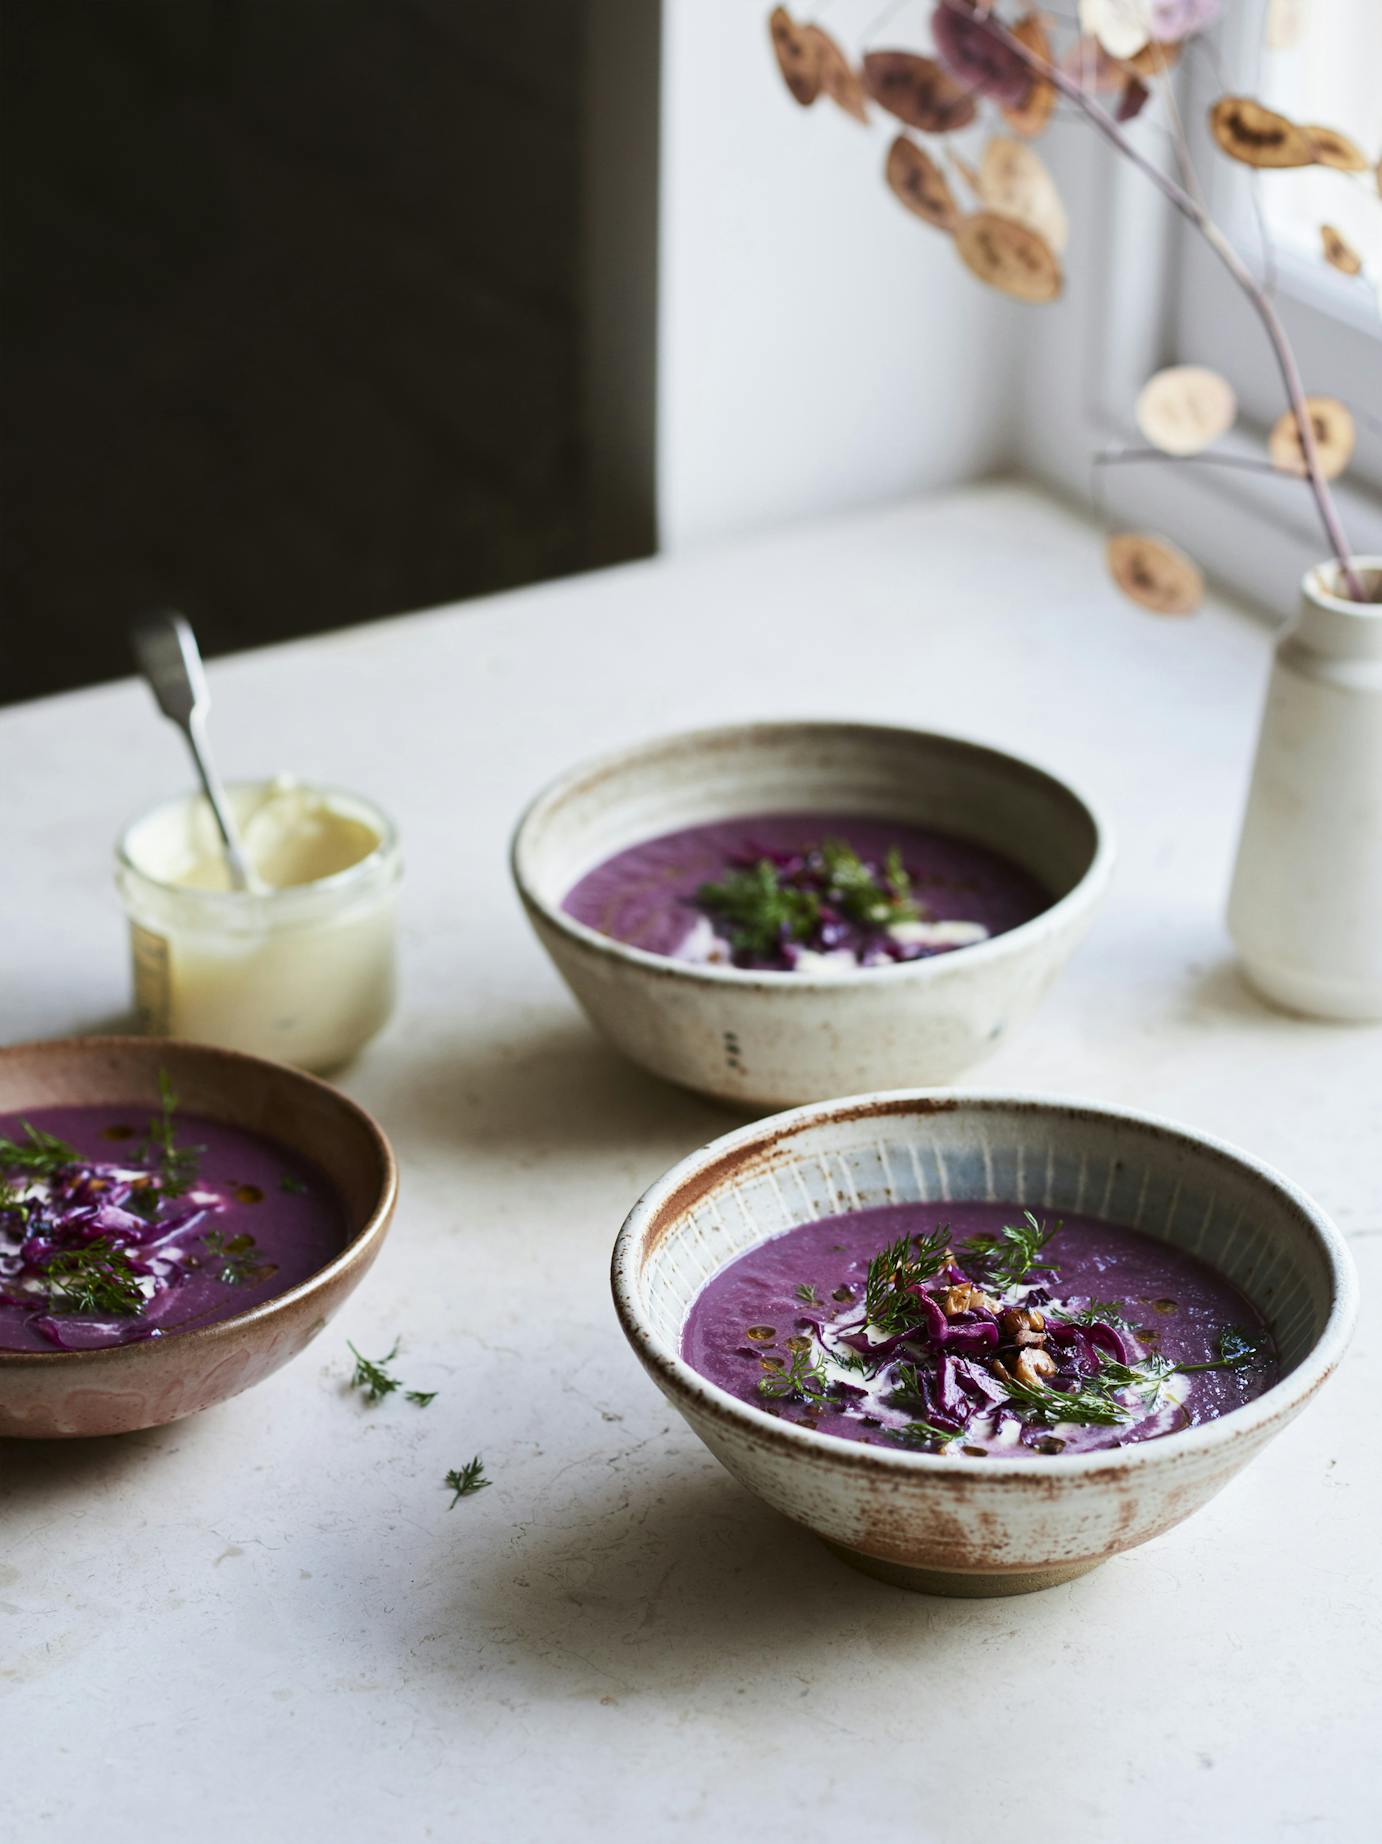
(167, 653)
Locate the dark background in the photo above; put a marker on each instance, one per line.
(292, 315)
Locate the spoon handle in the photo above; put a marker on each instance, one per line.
(167, 654)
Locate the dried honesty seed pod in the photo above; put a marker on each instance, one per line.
(838, 78)
(1285, 23)
(1332, 428)
(1133, 101)
(1121, 26)
(917, 91)
(1031, 116)
(1334, 149)
(1258, 136)
(1009, 255)
(1151, 571)
(981, 60)
(1339, 254)
(798, 56)
(1186, 407)
(1013, 180)
(914, 177)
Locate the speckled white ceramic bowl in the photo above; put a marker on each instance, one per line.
(765, 1039)
(950, 1523)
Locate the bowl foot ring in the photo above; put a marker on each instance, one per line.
(962, 1584)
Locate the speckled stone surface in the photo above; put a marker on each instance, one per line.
(267, 1620)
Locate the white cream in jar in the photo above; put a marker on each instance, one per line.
(301, 969)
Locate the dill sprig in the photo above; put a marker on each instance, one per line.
(11, 1199)
(1236, 1348)
(1092, 1404)
(1011, 1255)
(805, 1378)
(1095, 1401)
(372, 1375)
(95, 1278)
(924, 1434)
(177, 1165)
(760, 909)
(1146, 1377)
(292, 1184)
(895, 1273)
(466, 1481)
(38, 1155)
(853, 886)
(807, 1294)
(239, 1258)
(907, 1385)
(764, 906)
(1101, 1312)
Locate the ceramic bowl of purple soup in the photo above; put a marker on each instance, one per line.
(760, 1036)
(954, 1519)
(307, 1181)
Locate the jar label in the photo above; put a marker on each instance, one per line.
(149, 954)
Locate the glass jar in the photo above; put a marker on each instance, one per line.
(301, 970)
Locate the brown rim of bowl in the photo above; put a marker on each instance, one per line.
(1081, 895)
(362, 1244)
(736, 1150)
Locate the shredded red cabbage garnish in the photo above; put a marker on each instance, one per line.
(96, 1250)
(947, 1344)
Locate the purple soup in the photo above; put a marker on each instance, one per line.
(799, 892)
(115, 1227)
(979, 1329)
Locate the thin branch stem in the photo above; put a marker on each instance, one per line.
(1206, 50)
(1166, 89)
(1192, 210)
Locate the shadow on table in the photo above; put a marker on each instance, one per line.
(688, 1583)
(58, 1475)
(1221, 991)
(556, 1088)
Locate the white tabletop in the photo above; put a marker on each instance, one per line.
(266, 1623)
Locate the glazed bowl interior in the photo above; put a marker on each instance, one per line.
(1052, 1157)
(916, 776)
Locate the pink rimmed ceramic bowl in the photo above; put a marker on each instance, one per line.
(948, 1523)
(46, 1394)
(768, 1039)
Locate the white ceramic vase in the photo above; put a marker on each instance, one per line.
(1305, 910)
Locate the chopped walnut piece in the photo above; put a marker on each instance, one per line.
(965, 1297)
(1023, 1325)
(1033, 1367)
